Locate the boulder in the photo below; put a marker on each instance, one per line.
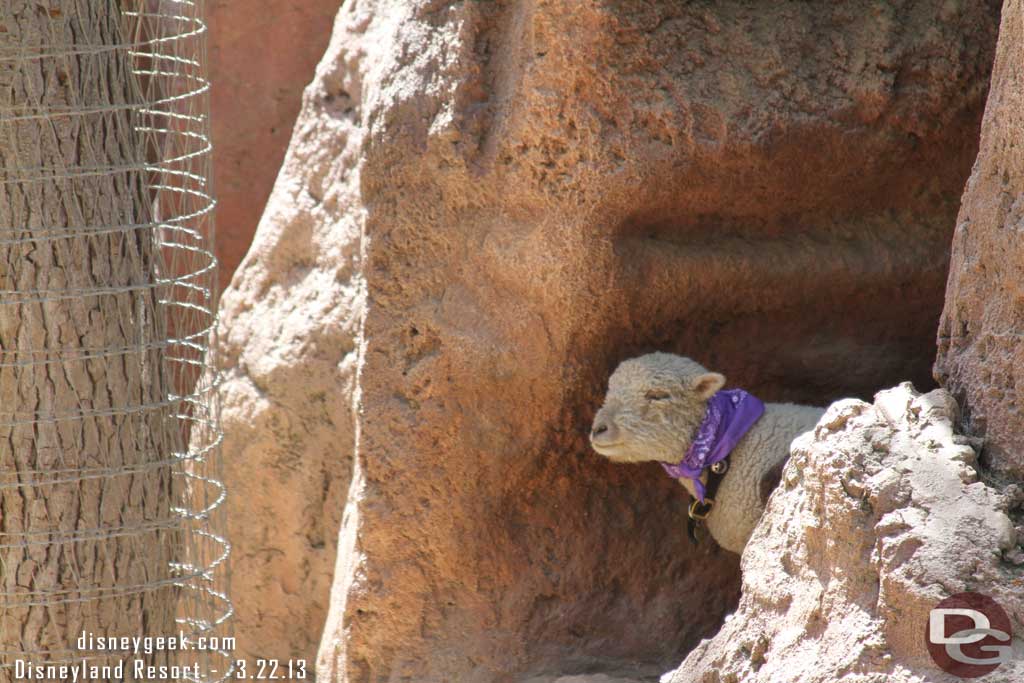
(485, 207)
(981, 357)
(260, 57)
(880, 516)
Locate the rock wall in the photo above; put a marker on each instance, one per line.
(981, 357)
(261, 56)
(880, 516)
(484, 208)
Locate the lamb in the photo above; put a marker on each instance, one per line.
(659, 403)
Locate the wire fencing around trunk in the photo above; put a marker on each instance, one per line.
(111, 500)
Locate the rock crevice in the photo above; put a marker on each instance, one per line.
(457, 253)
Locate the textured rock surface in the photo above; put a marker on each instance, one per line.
(879, 517)
(285, 452)
(597, 678)
(261, 56)
(981, 354)
(485, 207)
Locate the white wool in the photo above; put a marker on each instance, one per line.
(652, 409)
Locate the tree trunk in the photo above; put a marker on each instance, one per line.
(87, 430)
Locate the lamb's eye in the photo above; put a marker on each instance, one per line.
(656, 395)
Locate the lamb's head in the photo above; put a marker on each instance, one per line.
(653, 407)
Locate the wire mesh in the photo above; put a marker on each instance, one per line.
(111, 523)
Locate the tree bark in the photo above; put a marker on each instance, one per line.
(84, 387)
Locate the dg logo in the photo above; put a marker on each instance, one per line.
(968, 635)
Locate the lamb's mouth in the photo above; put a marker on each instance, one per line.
(605, 448)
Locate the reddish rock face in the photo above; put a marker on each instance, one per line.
(484, 208)
(981, 354)
(261, 56)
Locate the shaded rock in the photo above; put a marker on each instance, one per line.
(880, 516)
(981, 354)
(484, 208)
(597, 678)
(260, 59)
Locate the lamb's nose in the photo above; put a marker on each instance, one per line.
(599, 428)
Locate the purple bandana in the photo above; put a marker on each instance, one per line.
(729, 416)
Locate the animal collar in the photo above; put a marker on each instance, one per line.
(730, 415)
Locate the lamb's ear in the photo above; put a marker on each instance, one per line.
(707, 384)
